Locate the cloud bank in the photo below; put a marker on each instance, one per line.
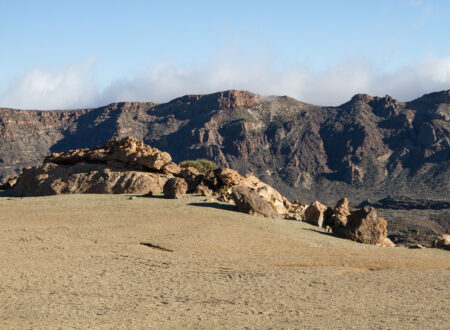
(75, 86)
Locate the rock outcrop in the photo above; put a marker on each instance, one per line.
(119, 167)
(127, 153)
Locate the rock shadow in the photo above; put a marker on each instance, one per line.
(321, 232)
(219, 206)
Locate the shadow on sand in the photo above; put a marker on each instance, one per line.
(219, 206)
(320, 232)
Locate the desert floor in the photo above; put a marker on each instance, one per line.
(78, 261)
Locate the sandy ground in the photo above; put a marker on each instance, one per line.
(77, 261)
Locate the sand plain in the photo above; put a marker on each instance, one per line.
(78, 261)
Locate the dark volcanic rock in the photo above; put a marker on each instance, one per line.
(408, 203)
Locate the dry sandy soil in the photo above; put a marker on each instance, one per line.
(77, 261)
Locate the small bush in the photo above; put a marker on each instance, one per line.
(202, 165)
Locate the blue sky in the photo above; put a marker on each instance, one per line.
(65, 54)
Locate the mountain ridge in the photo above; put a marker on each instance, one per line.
(365, 147)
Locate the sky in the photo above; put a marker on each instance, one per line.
(76, 54)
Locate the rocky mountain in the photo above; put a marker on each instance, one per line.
(367, 148)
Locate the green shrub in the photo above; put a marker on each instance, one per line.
(202, 165)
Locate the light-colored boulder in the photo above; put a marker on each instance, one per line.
(315, 213)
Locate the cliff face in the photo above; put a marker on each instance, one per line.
(365, 148)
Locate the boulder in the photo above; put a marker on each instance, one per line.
(81, 178)
(248, 201)
(442, 242)
(364, 226)
(315, 213)
(175, 188)
(225, 179)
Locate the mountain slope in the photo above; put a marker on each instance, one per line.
(366, 148)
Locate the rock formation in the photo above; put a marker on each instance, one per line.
(120, 166)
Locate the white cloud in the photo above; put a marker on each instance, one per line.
(68, 87)
(75, 86)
